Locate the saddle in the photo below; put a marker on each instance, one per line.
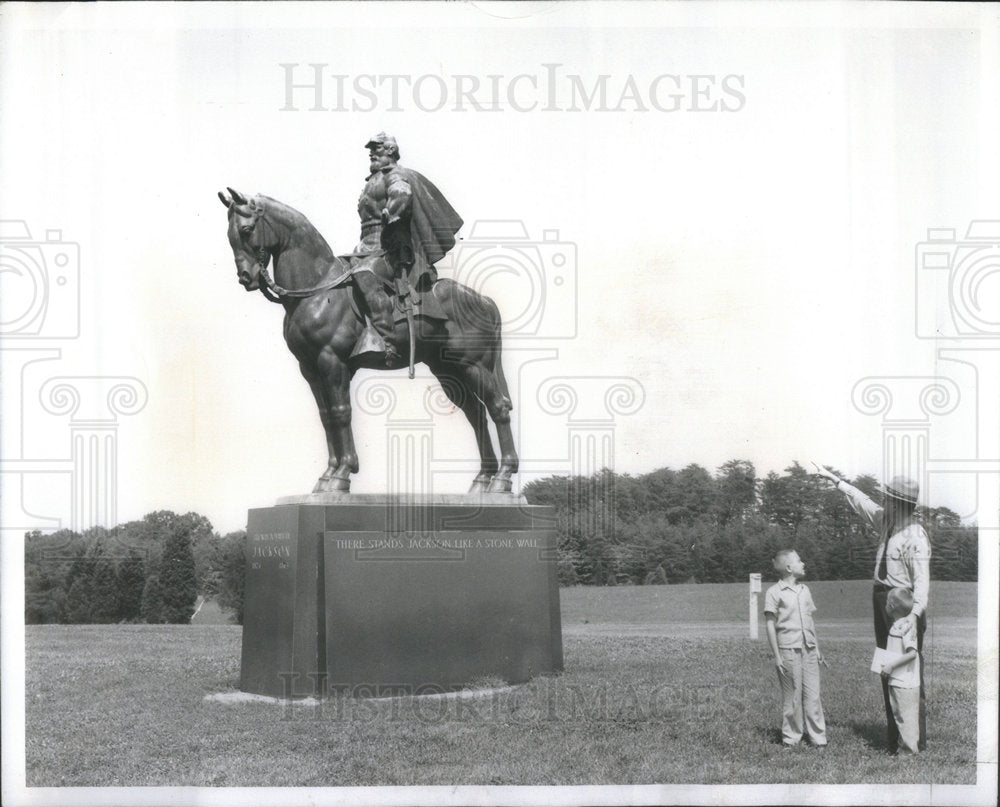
(425, 302)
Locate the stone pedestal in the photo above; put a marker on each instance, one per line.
(376, 595)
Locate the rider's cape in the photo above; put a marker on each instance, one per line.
(433, 224)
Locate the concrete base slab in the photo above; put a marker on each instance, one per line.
(236, 698)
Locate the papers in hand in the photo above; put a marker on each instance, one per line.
(907, 675)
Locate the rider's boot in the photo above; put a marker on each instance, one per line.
(380, 308)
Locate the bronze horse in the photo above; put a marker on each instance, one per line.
(323, 326)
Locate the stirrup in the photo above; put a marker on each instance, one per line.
(370, 341)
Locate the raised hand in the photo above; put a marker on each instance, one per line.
(821, 471)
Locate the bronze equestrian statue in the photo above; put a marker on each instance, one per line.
(450, 328)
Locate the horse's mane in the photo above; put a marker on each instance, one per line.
(295, 220)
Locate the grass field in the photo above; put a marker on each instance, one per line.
(661, 685)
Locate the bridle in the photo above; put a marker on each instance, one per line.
(271, 290)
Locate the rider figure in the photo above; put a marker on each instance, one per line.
(406, 227)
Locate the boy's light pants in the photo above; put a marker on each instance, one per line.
(802, 711)
(906, 711)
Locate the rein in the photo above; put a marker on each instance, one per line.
(276, 294)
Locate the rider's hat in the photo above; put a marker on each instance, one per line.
(902, 488)
(382, 139)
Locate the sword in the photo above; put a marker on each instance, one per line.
(403, 290)
(402, 282)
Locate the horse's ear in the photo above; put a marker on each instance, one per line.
(224, 200)
(237, 197)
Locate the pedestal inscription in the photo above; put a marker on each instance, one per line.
(280, 614)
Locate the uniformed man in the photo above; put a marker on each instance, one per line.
(406, 227)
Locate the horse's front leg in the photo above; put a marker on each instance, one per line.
(311, 375)
(336, 377)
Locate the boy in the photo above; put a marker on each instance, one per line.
(788, 608)
(901, 669)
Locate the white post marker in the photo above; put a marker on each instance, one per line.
(754, 591)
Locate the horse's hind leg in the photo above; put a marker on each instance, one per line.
(475, 324)
(499, 405)
(456, 383)
(491, 391)
(497, 397)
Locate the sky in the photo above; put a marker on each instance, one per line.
(711, 240)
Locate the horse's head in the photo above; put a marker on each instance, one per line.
(251, 240)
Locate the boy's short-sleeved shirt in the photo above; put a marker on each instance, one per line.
(792, 606)
(902, 639)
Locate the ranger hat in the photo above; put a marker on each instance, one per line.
(382, 139)
(902, 488)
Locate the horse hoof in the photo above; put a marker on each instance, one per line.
(332, 485)
(479, 486)
(500, 485)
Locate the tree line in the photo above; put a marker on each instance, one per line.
(692, 526)
(151, 570)
(667, 526)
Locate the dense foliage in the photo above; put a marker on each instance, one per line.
(662, 527)
(152, 570)
(690, 526)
